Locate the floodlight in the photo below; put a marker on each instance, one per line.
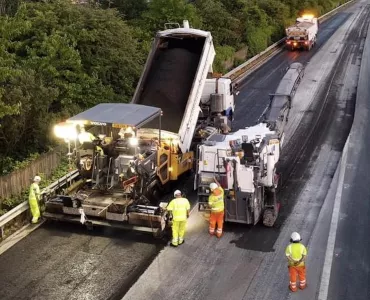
(133, 141)
(308, 16)
(65, 131)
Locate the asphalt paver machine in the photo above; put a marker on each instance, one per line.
(124, 168)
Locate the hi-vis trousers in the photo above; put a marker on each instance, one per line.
(216, 218)
(35, 210)
(178, 232)
(293, 272)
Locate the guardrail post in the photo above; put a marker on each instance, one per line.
(1, 231)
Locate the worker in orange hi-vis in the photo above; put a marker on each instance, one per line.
(296, 253)
(216, 202)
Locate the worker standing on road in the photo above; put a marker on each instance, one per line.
(34, 198)
(296, 253)
(179, 208)
(216, 202)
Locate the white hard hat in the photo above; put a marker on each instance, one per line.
(37, 178)
(177, 192)
(213, 186)
(295, 237)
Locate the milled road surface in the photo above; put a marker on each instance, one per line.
(60, 261)
(349, 277)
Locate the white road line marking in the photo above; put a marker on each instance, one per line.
(325, 278)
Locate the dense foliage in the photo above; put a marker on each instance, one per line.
(58, 58)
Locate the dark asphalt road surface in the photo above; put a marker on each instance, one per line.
(350, 273)
(254, 95)
(60, 261)
(65, 261)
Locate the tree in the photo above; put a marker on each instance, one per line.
(216, 19)
(278, 15)
(258, 31)
(58, 59)
(8, 7)
(104, 43)
(169, 11)
(129, 9)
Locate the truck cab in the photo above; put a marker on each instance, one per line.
(303, 34)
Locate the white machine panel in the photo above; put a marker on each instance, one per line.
(245, 175)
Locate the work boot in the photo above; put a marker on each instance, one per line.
(292, 289)
(173, 245)
(180, 243)
(303, 287)
(35, 221)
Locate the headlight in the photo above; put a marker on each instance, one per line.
(134, 141)
(65, 131)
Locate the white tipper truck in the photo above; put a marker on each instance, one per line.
(177, 77)
(303, 34)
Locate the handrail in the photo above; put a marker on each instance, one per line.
(16, 211)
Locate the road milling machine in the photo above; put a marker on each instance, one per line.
(244, 162)
(130, 153)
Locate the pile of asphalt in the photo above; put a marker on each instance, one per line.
(169, 84)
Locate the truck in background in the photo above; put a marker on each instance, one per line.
(303, 34)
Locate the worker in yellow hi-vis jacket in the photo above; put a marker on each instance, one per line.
(34, 198)
(179, 208)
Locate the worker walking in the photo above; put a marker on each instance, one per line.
(34, 198)
(296, 253)
(179, 208)
(216, 202)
